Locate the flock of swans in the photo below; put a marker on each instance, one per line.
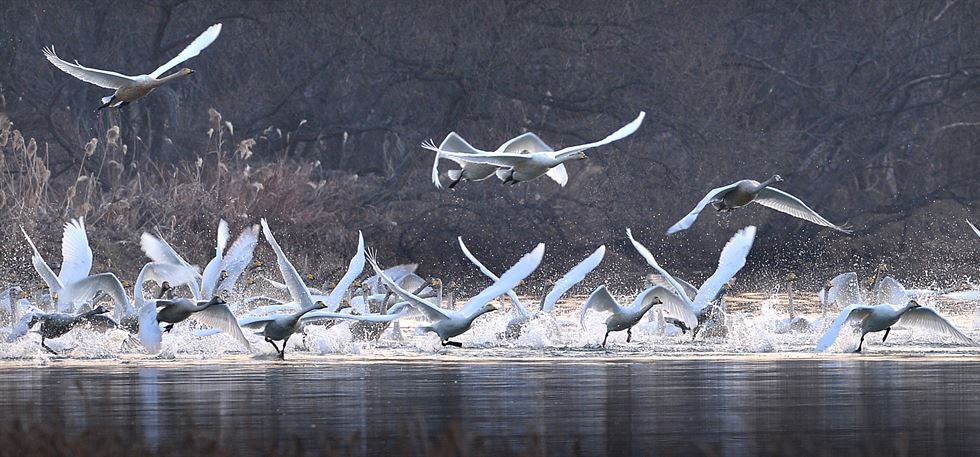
(217, 299)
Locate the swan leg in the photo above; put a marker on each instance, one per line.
(105, 105)
(452, 343)
(273, 343)
(629, 334)
(604, 339)
(860, 344)
(168, 328)
(45, 346)
(282, 352)
(886, 334)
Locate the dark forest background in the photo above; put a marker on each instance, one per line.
(311, 113)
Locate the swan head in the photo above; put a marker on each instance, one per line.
(436, 282)
(186, 71)
(581, 156)
(777, 178)
(914, 304)
(165, 287)
(22, 293)
(217, 300)
(491, 306)
(224, 275)
(100, 310)
(319, 304)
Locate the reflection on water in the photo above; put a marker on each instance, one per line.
(732, 407)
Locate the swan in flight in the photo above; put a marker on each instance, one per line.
(54, 325)
(677, 301)
(876, 318)
(449, 323)
(741, 193)
(73, 286)
(621, 318)
(473, 171)
(518, 167)
(221, 272)
(131, 88)
(551, 295)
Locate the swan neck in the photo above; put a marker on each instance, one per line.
(161, 81)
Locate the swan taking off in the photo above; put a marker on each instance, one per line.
(622, 318)
(131, 88)
(876, 318)
(517, 167)
(677, 302)
(448, 323)
(741, 193)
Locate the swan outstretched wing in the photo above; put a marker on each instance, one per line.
(845, 290)
(159, 250)
(395, 273)
(85, 289)
(212, 272)
(687, 221)
(42, 267)
(558, 174)
(431, 311)
(671, 302)
(101, 78)
(322, 314)
(974, 227)
(600, 300)
(192, 50)
(221, 317)
(297, 289)
(660, 280)
(929, 319)
(783, 202)
(969, 295)
(509, 280)
(75, 252)
(623, 132)
(354, 270)
(573, 277)
(648, 256)
(486, 271)
(732, 260)
(525, 142)
(258, 322)
(498, 159)
(238, 257)
(856, 312)
(890, 291)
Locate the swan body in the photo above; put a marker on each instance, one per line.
(877, 318)
(514, 167)
(622, 318)
(54, 325)
(131, 88)
(741, 193)
(450, 323)
(213, 313)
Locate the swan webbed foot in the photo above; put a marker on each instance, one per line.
(452, 343)
(455, 181)
(168, 328)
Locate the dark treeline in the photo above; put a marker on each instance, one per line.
(870, 110)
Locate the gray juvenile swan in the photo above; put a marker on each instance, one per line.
(213, 313)
(741, 193)
(54, 325)
(131, 88)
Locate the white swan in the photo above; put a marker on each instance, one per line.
(146, 309)
(131, 88)
(551, 295)
(473, 171)
(449, 323)
(73, 286)
(516, 167)
(693, 311)
(741, 193)
(876, 318)
(621, 318)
